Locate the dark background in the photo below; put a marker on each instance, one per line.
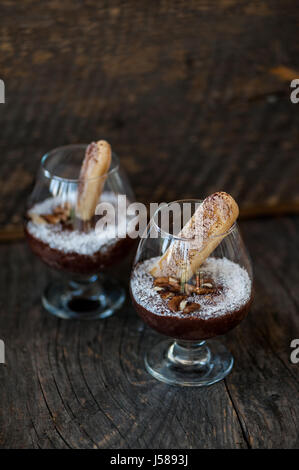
(194, 96)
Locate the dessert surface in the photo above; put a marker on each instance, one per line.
(230, 291)
(212, 308)
(59, 239)
(65, 238)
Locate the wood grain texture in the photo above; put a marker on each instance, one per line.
(71, 384)
(193, 96)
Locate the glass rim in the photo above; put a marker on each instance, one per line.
(52, 176)
(186, 239)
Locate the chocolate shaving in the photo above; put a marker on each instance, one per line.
(166, 295)
(59, 214)
(191, 289)
(174, 303)
(168, 283)
(191, 307)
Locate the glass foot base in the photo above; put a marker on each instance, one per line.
(189, 364)
(90, 299)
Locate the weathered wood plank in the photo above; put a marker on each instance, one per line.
(83, 385)
(265, 379)
(207, 109)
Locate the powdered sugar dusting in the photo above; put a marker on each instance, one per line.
(72, 241)
(235, 282)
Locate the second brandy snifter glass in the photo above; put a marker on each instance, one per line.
(75, 250)
(190, 310)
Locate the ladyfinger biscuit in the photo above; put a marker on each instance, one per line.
(92, 177)
(206, 229)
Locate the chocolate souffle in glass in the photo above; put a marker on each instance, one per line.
(71, 244)
(191, 290)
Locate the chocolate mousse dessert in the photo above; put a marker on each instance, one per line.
(199, 295)
(202, 308)
(62, 230)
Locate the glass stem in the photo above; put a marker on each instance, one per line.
(82, 284)
(189, 353)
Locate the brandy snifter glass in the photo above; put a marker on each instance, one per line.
(77, 252)
(190, 311)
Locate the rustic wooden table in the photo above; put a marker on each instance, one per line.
(194, 97)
